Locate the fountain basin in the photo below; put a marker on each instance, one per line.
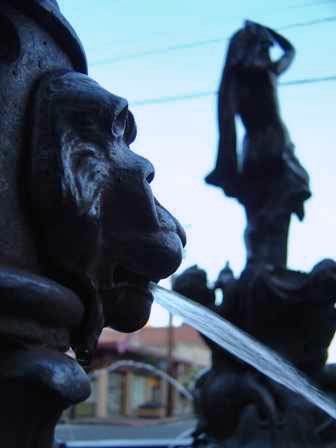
(146, 443)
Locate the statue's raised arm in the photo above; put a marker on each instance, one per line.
(282, 64)
(260, 40)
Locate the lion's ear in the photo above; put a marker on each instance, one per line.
(71, 176)
(9, 41)
(81, 173)
(70, 190)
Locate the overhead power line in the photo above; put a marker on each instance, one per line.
(195, 95)
(309, 81)
(315, 3)
(309, 23)
(198, 43)
(253, 12)
(154, 52)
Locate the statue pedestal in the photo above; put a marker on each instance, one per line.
(293, 313)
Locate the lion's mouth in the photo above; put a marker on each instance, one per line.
(127, 302)
(123, 277)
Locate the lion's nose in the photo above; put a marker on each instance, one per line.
(169, 222)
(129, 198)
(181, 233)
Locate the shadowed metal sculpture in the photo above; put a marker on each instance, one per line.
(271, 183)
(81, 234)
(101, 231)
(291, 312)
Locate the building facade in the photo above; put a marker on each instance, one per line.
(129, 373)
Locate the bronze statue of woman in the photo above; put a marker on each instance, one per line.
(270, 182)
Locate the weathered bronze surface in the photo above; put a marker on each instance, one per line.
(81, 234)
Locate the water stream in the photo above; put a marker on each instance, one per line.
(243, 346)
(158, 372)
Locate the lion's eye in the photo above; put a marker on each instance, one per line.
(119, 123)
(131, 130)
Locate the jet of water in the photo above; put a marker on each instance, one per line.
(158, 372)
(243, 346)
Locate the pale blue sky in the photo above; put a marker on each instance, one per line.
(123, 39)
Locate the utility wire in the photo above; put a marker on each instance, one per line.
(315, 3)
(154, 52)
(199, 43)
(296, 6)
(195, 95)
(310, 23)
